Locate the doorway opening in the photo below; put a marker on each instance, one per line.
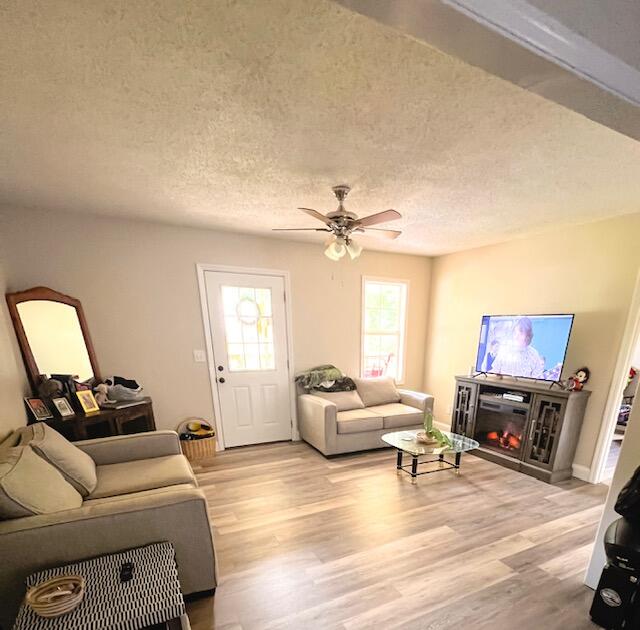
(624, 411)
(622, 395)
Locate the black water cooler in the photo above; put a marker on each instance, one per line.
(616, 604)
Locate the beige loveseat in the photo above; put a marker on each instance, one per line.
(145, 492)
(345, 422)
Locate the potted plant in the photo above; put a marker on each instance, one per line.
(432, 435)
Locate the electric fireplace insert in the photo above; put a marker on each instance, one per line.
(501, 426)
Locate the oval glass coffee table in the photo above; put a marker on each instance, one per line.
(405, 442)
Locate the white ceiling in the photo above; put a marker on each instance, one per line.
(230, 114)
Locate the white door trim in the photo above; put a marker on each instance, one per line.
(201, 268)
(630, 338)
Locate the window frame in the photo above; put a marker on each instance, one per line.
(402, 359)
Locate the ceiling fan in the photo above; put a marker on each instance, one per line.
(342, 224)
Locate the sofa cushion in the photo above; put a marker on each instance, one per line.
(142, 474)
(398, 415)
(358, 420)
(75, 465)
(30, 485)
(344, 401)
(12, 439)
(377, 391)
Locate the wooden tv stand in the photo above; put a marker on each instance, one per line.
(537, 435)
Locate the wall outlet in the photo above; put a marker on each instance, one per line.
(199, 356)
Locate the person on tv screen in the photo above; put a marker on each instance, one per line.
(491, 355)
(517, 356)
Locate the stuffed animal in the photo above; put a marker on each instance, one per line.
(101, 394)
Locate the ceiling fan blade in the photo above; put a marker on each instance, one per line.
(379, 217)
(316, 215)
(300, 230)
(383, 233)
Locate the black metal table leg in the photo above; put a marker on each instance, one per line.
(458, 460)
(414, 469)
(399, 462)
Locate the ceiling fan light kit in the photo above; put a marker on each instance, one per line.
(335, 250)
(341, 224)
(353, 249)
(339, 247)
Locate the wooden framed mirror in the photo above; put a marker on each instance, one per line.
(53, 335)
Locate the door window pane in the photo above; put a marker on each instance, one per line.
(248, 325)
(233, 329)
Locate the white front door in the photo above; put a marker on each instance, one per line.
(249, 336)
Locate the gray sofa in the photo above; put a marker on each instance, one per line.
(346, 422)
(145, 492)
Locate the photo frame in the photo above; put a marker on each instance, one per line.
(63, 407)
(38, 409)
(87, 401)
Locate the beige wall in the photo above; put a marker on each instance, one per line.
(13, 382)
(588, 270)
(138, 284)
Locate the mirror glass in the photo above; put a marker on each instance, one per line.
(55, 336)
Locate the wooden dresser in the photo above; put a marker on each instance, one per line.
(106, 422)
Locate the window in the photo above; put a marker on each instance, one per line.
(384, 310)
(248, 327)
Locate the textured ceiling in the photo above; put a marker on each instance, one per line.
(230, 114)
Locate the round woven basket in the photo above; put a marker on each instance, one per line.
(197, 448)
(56, 596)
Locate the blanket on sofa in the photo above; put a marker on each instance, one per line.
(326, 378)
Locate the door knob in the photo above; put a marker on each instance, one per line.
(221, 380)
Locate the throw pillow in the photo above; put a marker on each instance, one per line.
(344, 401)
(74, 464)
(377, 391)
(29, 485)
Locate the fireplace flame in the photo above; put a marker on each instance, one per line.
(506, 439)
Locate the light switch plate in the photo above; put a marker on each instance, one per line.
(199, 356)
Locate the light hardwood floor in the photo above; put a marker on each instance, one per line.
(306, 542)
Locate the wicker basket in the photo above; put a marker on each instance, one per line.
(56, 596)
(198, 448)
(195, 450)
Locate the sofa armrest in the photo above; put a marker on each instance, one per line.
(127, 448)
(317, 419)
(418, 400)
(176, 514)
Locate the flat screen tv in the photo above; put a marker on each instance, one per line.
(530, 346)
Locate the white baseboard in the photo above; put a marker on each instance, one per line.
(581, 472)
(442, 426)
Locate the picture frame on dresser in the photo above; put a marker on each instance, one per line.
(87, 401)
(38, 409)
(63, 407)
